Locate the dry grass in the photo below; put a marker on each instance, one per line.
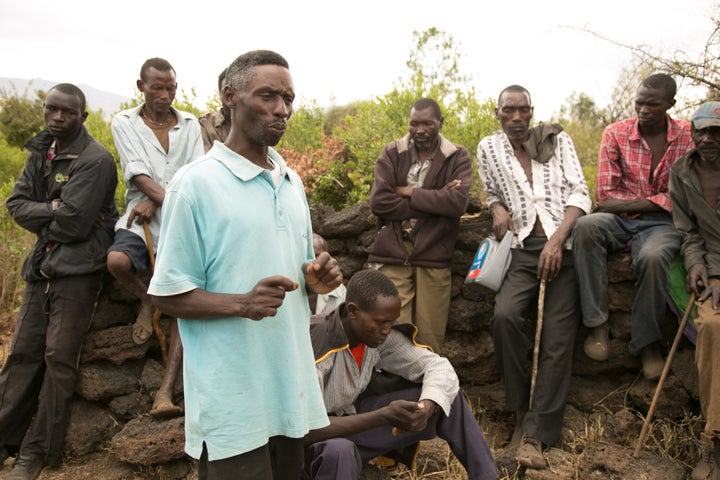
(676, 440)
(13, 249)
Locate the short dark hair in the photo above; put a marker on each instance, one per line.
(423, 103)
(514, 89)
(661, 81)
(221, 80)
(238, 73)
(70, 89)
(157, 63)
(366, 285)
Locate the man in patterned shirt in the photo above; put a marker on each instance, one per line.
(535, 187)
(633, 209)
(416, 398)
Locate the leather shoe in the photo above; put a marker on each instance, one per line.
(652, 362)
(530, 453)
(596, 345)
(26, 468)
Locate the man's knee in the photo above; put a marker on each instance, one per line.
(655, 257)
(506, 319)
(118, 263)
(332, 455)
(589, 227)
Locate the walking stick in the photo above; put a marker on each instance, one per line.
(156, 314)
(538, 335)
(661, 380)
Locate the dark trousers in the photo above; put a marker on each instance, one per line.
(343, 458)
(513, 341)
(39, 376)
(279, 459)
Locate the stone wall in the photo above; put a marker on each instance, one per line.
(118, 378)
(468, 344)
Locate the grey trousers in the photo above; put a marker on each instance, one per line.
(513, 340)
(343, 458)
(654, 242)
(39, 376)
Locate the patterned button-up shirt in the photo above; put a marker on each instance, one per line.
(557, 184)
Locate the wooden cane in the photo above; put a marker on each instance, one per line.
(661, 380)
(538, 335)
(156, 314)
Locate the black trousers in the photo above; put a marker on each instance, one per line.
(513, 342)
(39, 376)
(279, 459)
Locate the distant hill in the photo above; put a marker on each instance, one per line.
(108, 102)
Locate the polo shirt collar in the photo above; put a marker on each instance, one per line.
(243, 168)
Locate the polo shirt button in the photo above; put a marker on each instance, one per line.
(280, 213)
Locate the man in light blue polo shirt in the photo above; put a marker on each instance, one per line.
(234, 259)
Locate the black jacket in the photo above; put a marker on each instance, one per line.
(83, 177)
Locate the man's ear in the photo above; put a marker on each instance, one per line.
(140, 85)
(352, 309)
(84, 116)
(229, 97)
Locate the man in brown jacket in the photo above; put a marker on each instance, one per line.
(421, 189)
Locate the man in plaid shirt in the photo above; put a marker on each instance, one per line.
(633, 212)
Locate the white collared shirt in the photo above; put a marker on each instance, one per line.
(556, 185)
(141, 154)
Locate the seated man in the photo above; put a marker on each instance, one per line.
(352, 343)
(633, 210)
(694, 192)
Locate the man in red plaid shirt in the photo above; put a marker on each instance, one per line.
(633, 211)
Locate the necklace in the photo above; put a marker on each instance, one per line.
(158, 124)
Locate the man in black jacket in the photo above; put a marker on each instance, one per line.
(65, 195)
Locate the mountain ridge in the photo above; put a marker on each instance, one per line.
(97, 99)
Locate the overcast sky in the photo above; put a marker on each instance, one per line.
(343, 51)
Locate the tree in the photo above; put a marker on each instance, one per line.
(698, 69)
(435, 61)
(306, 129)
(369, 125)
(21, 118)
(622, 103)
(584, 121)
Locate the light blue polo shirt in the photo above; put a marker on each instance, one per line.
(225, 227)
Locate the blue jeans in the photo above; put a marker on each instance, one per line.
(654, 242)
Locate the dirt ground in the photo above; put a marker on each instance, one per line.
(589, 460)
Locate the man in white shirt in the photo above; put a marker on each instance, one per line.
(535, 187)
(153, 140)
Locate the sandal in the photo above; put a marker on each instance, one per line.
(530, 453)
(164, 408)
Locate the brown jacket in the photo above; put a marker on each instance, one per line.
(437, 211)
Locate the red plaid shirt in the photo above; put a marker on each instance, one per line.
(624, 162)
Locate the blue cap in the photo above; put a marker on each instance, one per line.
(708, 115)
